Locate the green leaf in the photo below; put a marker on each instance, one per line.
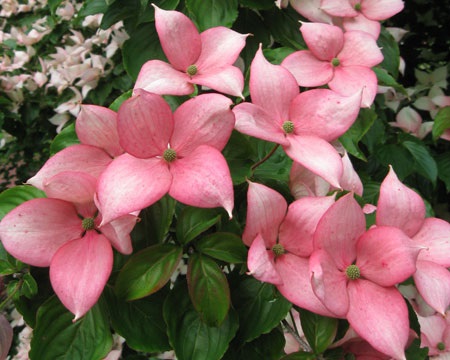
(443, 164)
(208, 289)
(257, 4)
(223, 246)
(208, 14)
(416, 352)
(92, 7)
(5, 267)
(142, 45)
(65, 138)
(56, 337)
(360, 127)
(396, 155)
(115, 105)
(260, 307)
(190, 337)
(147, 271)
(140, 322)
(391, 52)
(29, 286)
(320, 331)
(237, 153)
(424, 163)
(441, 122)
(13, 197)
(53, 5)
(121, 10)
(194, 221)
(300, 355)
(276, 56)
(387, 80)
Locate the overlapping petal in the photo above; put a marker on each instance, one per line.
(226, 79)
(381, 9)
(341, 8)
(118, 232)
(260, 262)
(360, 48)
(324, 41)
(434, 235)
(361, 23)
(79, 271)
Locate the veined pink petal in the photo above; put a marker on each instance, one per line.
(307, 69)
(361, 23)
(97, 126)
(435, 236)
(349, 80)
(36, 229)
(79, 272)
(381, 9)
(253, 120)
(399, 206)
(203, 179)
(311, 10)
(131, 184)
(85, 158)
(296, 287)
(118, 232)
(350, 179)
(303, 182)
(145, 124)
(360, 48)
(204, 120)
(380, 316)
(324, 113)
(298, 227)
(317, 155)
(73, 186)
(339, 229)
(220, 46)
(179, 38)
(432, 329)
(433, 283)
(408, 120)
(266, 209)
(161, 78)
(272, 87)
(386, 256)
(260, 262)
(324, 41)
(340, 8)
(329, 283)
(225, 79)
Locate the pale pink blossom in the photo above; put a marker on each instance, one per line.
(410, 121)
(433, 102)
(435, 335)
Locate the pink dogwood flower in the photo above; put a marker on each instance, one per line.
(304, 124)
(64, 232)
(204, 59)
(354, 273)
(177, 153)
(435, 335)
(403, 208)
(341, 60)
(281, 240)
(410, 121)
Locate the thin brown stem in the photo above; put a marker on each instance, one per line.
(271, 152)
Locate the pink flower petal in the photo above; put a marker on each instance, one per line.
(408, 120)
(73, 186)
(361, 23)
(311, 9)
(220, 46)
(303, 182)
(118, 232)
(324, 113)
(399, 206)
(329, 283)
(97, 126)
(381, 9)
(360, 48)
(226, 79)
(380, 316)
(130, 184)
(266, 209)
(260, 262)
(339, 229)
(317, 155)
(296, 287)
(386, 256)
(350, 179)
(432, 329)
(324, 41)
(145, 124)
(179, 38)
(307, 69)
(255, 121)
(272, 87)
(203, 179)
(298, 227)
(433, 283)
(161, 78)
(339, 8)
(36, 229)
(435, 236)
(79, 272)
(204, 120)
(84, 158)
(349, 80)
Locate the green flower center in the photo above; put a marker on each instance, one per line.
(169, 155)
(278, 249)
(335, 62)
(288, 127)
(353, 272)
(88, 224)
(441, 346)
(191, 70)
(357, 7)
